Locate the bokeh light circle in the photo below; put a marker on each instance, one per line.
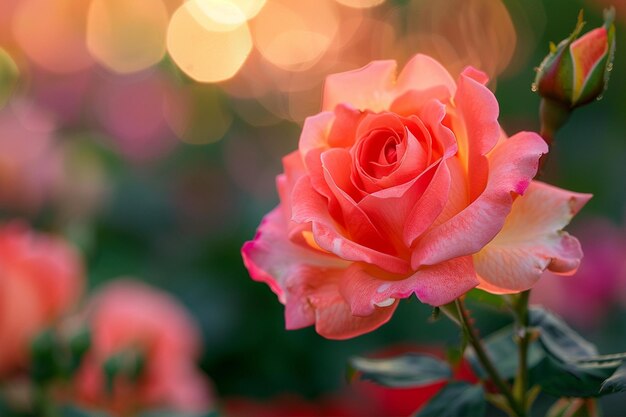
(52, 33)
(127, 36)
(205, 49)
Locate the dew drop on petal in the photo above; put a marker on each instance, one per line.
(385, 303)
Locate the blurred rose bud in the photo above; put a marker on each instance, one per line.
(143, 348)
(41, 277)
(576, 71)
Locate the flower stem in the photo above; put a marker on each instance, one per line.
(520, 388)
(491, 370)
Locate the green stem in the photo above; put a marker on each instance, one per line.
(520, 388)
(42, 403)
(474, 340)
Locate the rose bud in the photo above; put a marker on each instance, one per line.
(575, 72)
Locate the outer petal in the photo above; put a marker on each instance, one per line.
(374, 87)
(272, 258)
(365, 289)
(333, 317)
(369, 87)
(512, 166)
(532, 241)
(305, 280)
(422, 73)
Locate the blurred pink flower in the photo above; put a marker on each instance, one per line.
(41, 277)
(600, 283)
(128, 315)
(132, 110)
(30, 162)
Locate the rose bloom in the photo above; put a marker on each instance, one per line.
(41, 278)
(132, 316)
(405, 186)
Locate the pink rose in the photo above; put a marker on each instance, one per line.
(405, 186)
(41, 277)
(130, 316)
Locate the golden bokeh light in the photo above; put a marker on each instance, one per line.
(360, 4)
(479, 32)
(127, 36)
(52, 33)
(229, 12)
(294, 35)
(206, 53)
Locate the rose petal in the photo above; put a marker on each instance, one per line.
(336, 164)
(305, 280)
(364, 288)
(512, 166)
(309, 206)
(422, 73)
(404, 201)
(475, 124)
(532, 240)
(271, 258)
(315, 132)
(333, 318)
(368, 88)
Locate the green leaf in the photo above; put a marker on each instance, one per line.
(502, 350)
(409, 370)
(558, 338)
(563, 379)
(616, 382)
(457, 399)
(572, 366)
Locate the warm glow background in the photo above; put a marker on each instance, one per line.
(149, 132)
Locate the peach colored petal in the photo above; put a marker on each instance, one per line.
(315, 131)
(475, 124)
(309, 206)
(512, 166)
(422, 73)
(271, 258)
(334, 320)
(430, 205)
(356, 223)
(368, 88)
(306, 282)
(365, 289)
(532, 240)
(374, 87)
